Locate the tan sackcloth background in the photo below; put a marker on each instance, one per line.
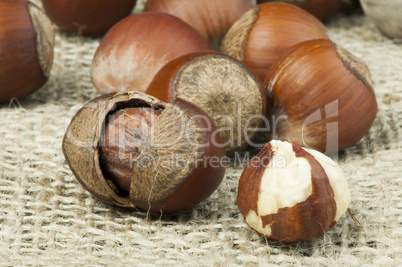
(47, 218)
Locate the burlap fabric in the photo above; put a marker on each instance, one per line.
(47, 218)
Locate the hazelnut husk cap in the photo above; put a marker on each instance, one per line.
(223, 87)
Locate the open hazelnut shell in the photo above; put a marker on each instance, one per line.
(182, 133)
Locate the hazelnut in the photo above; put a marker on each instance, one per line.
(328, 106)
(221, 86)
(266, 31)
(321, 9)
(132, 150)
(290, 194)
(26, 54)
(87, 17)
(211, 18)
(136, 48)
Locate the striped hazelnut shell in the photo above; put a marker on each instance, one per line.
(321, 96)
(87, 17)
(321, 9)
(26, 54)
(266, 31)
(212, 19)
(134, 50)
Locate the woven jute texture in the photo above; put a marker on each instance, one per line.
(47, 218)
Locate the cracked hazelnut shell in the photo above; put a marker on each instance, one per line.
(173, 168)
(212, 19)
(26, 48)
(266, 31)
(321, 97)
(291, 194)
(221, 86)
(134, 50)
(87, 17)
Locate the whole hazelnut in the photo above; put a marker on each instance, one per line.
(221, 86)
(290, 194)
(136, 48)
(328, 105)
(26, 48)
(266, 31)
(211, 18)
(132, 150)
(321, 9)
(87, 17)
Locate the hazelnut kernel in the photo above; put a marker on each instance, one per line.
(292, 194)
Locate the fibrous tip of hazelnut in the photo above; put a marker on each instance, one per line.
(45, 38)
(355, 65)
(235, 40)
(227, 91)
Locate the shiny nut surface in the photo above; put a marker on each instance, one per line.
(26, 48)
(134, 50)
(325, 106)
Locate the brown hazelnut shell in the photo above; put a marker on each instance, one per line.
(26, 54)
(317, 85)
(321, 9)
(162, 189)
(300, 222)
(212, 19)
(87, 17)
(266, 31)
(134, 50)
(221, 86)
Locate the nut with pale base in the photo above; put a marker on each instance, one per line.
(321, 9)
(266, 31)
(325, 105)
(134, 50)
(132, 150)
(221, 86)
(211, 18)
(291, 194)
(26, 48)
